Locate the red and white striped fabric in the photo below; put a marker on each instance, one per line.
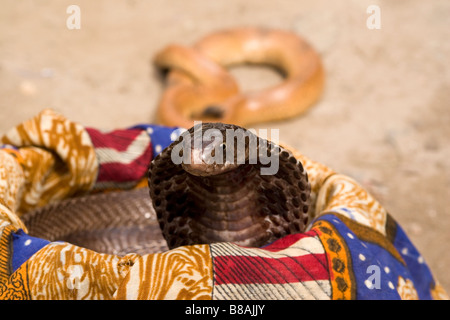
(123, 157)
(294, 267)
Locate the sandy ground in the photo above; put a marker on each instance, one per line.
(383, 118)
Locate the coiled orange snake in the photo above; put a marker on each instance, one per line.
(199, 86)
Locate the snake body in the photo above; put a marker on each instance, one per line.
(199, 86)
(211, 202)
(118, 222)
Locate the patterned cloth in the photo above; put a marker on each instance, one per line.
(353, 248)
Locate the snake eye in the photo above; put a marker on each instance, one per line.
(223, 146)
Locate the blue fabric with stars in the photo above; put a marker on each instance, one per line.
(24, 246)
(419, 270)
(161, 136)
(377, 271)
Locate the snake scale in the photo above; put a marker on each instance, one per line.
(189, 203)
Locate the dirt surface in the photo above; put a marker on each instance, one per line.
(383, 118)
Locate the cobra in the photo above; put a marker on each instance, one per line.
(228, 201)
(199, 86)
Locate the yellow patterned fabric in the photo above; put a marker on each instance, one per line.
(187, 276)
(49, 158)
(59, 159)
(11, 185)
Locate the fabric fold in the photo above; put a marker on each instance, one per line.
(59, 159)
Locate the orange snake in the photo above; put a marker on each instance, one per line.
(199, 86)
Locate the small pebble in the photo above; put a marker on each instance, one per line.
(28, 88)
(47, 73)
(432, 213)
(415, 228)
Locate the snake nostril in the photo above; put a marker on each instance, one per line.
(212, 111)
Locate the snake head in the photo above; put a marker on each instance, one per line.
(215, 148)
